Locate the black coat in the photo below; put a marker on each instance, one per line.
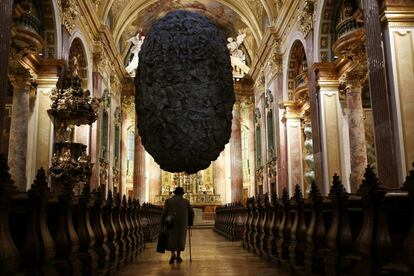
(183, 214)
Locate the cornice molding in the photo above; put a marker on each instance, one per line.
(398, 16)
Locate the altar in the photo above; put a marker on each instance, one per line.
(199, 187)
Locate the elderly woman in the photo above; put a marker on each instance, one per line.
(176, 217)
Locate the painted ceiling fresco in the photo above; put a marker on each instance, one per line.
(225, 18)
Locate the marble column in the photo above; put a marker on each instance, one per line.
(236, 156)
(19, 128)
(356, 132)
(139, 169)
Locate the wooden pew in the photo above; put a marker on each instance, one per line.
(274, 228)
(83, 227)
(366, 233)
(297, 230)
(111, 241)
(316, 248)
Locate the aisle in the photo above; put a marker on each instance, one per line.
(212, 255)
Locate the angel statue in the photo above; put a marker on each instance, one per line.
(238, 58)
(137, 40)
(234, 45)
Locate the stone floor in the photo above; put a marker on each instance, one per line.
(211, 255)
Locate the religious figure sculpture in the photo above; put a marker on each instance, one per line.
(137, 40)
(238, 57)
(75, 66)
(234, 45)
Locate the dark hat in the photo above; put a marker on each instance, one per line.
(178, 191)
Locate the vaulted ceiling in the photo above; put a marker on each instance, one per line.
(126, 17)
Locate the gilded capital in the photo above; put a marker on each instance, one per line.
(100, 58)
(116, 84)
(128, 105)
(237, 104)
(305, 17)
(354, 79)
(275, 63)
(20, 77)
(246, 101)
(260, 83)
(69, 11)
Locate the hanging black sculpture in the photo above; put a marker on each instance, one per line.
(184, 92)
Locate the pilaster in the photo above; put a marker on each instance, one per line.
(333, 127)
(294, 145)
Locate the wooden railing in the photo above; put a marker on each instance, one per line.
(370, 232)
(44, 234)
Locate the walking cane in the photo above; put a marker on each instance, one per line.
(189, 241)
